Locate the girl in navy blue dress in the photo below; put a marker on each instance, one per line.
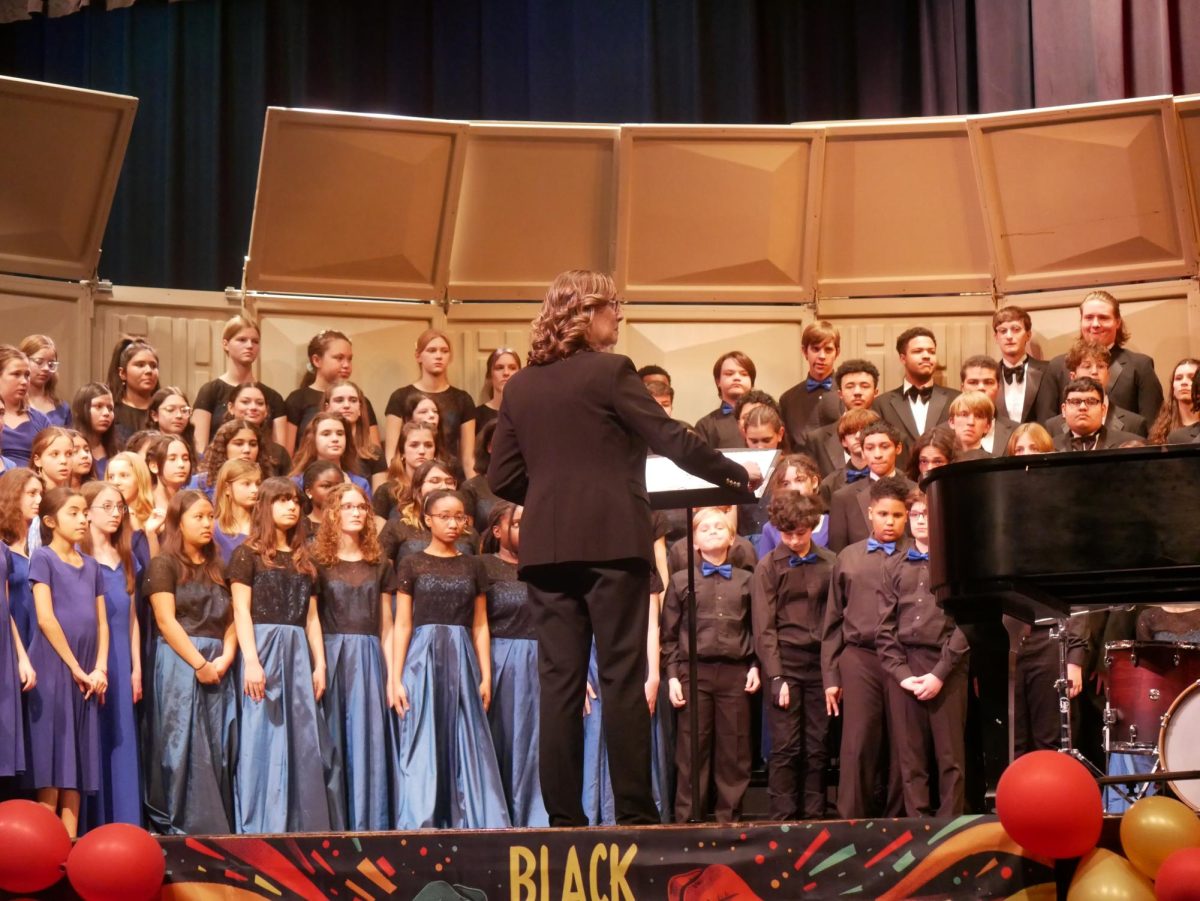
(286, 775)
(92, 415)
(235, 440)
(21, 422)
(52, 457)
(16, 675)
(236, 493)
(43, 381)
(69, 652)
(20, 497)
(193, 698)
(108, 542)
(516, 692)
(327, 438)
(448, 776)
(355, 603)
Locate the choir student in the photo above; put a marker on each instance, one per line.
(131, 476)
(513, 714)
(449, 777)
(727, 674)
(1084, 408)
(318, 480)
(69, 652)
(82, 465)
(418, 444)
(814, 402)
(43, 379)
(1029, 438)
(1025, 399)
(925, 657)
(856, 383)
(286, 773)
(170, 412)
(354, 599)
(734, 375)
(932, 450)
(1178, 413)
(109, 542)
(132, 379)
(192, 716)
(330, 357)
(918, 405)
(347, 400)
(52, 456)
(795, 472)
(456, 409)
(237, 439)
(501, 364)
(854, 679)
(16, 676)
(248, 402)
(971, 418)
(235, 495)
(20, 498)
(849, 516)
(22, 423)
(241, 342)
(326, 438)
(170, 462)
(789, 594)
(408, 533)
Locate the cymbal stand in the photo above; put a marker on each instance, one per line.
(1058, 634)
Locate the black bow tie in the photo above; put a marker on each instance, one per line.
(1013, 372)
(1086, 443)
(913, 392)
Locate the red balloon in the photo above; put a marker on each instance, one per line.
(1179, 876)
(35, 846)
(1050, 805)
(117, 862)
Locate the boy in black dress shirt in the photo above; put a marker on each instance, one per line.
(790, 590)
(726, 671)
(848, 513)
(925, 654)
(855, 683)
(734, 375)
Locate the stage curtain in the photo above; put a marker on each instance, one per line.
(205, 70)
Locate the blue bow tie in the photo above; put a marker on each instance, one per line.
(888, 547)
(812, 384)
(810, 557)
(725, 570)
(915, 555)
(853, 475)
(726, 409)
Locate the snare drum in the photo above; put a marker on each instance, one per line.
(1144, 679)
(1179, 743)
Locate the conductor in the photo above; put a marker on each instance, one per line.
(570, 445)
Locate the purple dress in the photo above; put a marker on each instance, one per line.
(64, 732)
(12, 730)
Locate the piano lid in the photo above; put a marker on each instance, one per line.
(60, 158)
(1099, 528)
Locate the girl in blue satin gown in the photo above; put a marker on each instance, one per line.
(355, 604)
(119, 798)
(192, 698)
(235, 494)
(286, 776)
(448, 776)
(516, 692)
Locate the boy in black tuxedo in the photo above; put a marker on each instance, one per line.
(848, 512)
(1084, 408)
(855, 683)
(1086, 358)
(971, 418)
(1024, 399)
(814, 402)
(982, 374)
(734, 375)
(918, 404)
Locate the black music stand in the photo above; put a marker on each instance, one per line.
(671, 488)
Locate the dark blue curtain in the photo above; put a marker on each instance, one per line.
(205, 70)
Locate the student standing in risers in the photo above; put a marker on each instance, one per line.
(587, 538)
(790, 591)
(918, 404)
(982, 374)
(850, 428)
(814, 402)
(1190, 434)
(856, 382)
(855, 683)
(22, 423)
(1084, 407)
(1023, 377)
(849, 513)
(1086, 358)
(924, 655)
(1177, 414)
(734, 375)
(330, 357)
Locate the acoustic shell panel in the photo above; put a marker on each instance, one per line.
(1188, 110)
(60, 157)
(900, 211)
(717, 214)
(1084, 195)
(535, 200)
(354, 205)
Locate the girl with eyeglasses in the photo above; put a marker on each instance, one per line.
(354, 598)
(93, 414)
(170, 412)
(447, 773)
(502, 364)
(408, 533)
(133, 379)
(108, 542)
(43, 379)
(456, 408)
(285, 776)
(192, 704)
(22, 423)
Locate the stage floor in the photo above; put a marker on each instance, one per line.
(967, 857)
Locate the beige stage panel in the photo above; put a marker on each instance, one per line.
(60, 156)
(1084, 195)
(535, 200)
(900, 211)
(1188, 110)
(717, 214)
(355, 205)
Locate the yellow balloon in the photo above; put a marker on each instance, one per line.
(1154, 827)
(1105, 876)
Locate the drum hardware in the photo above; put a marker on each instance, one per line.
(1058, 634)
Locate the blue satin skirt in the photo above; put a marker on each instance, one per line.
(192, 734)
(513, 717)
(356, 712)
(288, 778)
(448, 777)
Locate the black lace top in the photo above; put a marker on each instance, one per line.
(443, 589)
(280, 594)
(202, 607)
(508, 610)
(348, 596)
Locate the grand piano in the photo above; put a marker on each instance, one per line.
(1034, 536)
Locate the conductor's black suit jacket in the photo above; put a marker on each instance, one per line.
(570, 445)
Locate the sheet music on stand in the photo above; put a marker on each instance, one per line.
(673, 488)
